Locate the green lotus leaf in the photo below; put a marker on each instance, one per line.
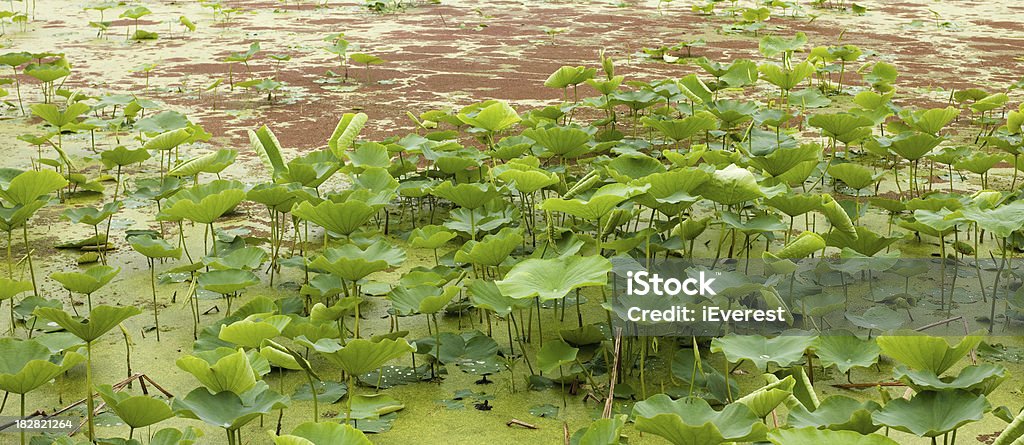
(989, 103)
(1013, 433)
(925, 353)
(731, 185)
(323, 433)
(550, 279)
(765, 399)
(786, 79)
(342, 218)
(793, 204)
(813, 98)
(555, 354)
(813, 436)
(589, 334)
(487, 295)
(366, 59)
(929, 121)
(979, 379)
(15, 59)
(785, 159)
(836, 413)
(630, 166)
(931, 413)
(101, 320)
(493, 117)
(528, 181)
(360, 356)
(844, 127)
(913, 145)
(470, 196)
(86, 282)
(783, 350)
(153, 247)
(492, 250)
(28, 364)
(136, 12)
(310, 170)
(1001, 221)
(352, 263)
(691, 421)
(425, 299)
(369, 154)
(345, 132)
(757, 224)
(232, 373)
(252, 330)
(673, 191)
(1014, 121)
(877, 317)
(136, 411)
(204, 203)
(47, 72)
(25, 188)
(855, 176)
(168, 140)
(740, 73)
(979, 162)
(90, 215)
(802, 246)
(373, 406)
(732, 112)
(213, 162)
(430, 237)
(606, 87)
(796, 175)
(837, 216)
(565, 142)
(58, 118)
(121, 156)
(691, 228)
(771, 46)
(279, 358)
(9, 288)
(14, 217)
(279, 197)
(600, 203)
(157, 189)
(569, 76)
(866, 242)
(227, 281)
(693, 84)
(601, 432)
(680, 129)
(174, 436)
(248, 258)
(845, 351)
(226, 409)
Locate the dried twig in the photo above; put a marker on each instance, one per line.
(518, 422)
(607, 414)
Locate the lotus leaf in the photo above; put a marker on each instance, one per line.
(925, 353)
(931, 413)
(550, 279)
(782, 350)
(691, 421)
(837, 413)
(813, 436)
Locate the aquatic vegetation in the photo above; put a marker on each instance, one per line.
(344, 260)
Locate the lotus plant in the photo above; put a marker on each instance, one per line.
(101, 320)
